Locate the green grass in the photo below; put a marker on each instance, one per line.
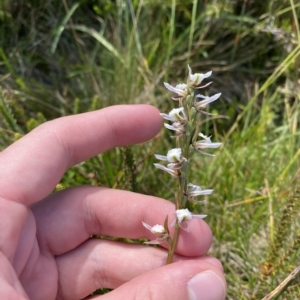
(64, 57)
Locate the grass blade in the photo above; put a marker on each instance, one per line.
(102, 40)
(62, 26)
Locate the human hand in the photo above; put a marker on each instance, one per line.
(45, 247)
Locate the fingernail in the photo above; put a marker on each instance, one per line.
(206, 286)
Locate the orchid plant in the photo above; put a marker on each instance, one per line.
(185, 123)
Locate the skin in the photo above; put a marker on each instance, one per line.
(45, 247)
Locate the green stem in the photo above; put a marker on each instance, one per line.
(196, 125)
(183, 178)
(173, 245)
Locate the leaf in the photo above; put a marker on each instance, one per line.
(62, 26)
(100, 39)
(166, 225)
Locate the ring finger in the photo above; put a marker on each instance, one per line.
(108, 264)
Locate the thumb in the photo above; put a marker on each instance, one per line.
(190, 280)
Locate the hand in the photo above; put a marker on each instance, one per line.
(45, 247)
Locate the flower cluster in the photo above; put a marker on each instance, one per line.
(159, 231)
(194, 191)
(205, 143)
(185, 122)
(180, 90)
(179, 119)
(175, 159)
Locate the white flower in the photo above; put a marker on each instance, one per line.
(175, 115)
(177, 127)
(196, 79)
(175, 160)
(201, 105)
(173, 156)
(159, 231)
(205, 143)
(183, 216)
(156, 229)
(180, 90)
(194, 191)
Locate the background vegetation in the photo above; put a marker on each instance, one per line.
(65, 57)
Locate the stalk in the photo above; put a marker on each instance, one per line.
(174, 243)
(183, 178)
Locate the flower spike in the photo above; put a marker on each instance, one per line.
(184, 121)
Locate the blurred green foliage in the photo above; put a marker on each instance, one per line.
(66, 57)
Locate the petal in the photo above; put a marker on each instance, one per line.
(190, 70)
(180, 86)
(147, 226)
(203, 86)
(177, 98)
(175, 166)
(203, 103)
(198, 193)
(201, 96)
(199, 216)
(204, 145)
(184, 225)
(171, 127)
(173, 89)
(206, 142)
(207, 138)
(205, 153)
(164, 168)
(173, 223)
(161, 157)
(165, 116)
(206, 75)
(170, 87)
(193, 187)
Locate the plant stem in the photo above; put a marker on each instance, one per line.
(183, 179)
(179, 200)
(173, 245)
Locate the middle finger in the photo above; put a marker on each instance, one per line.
(68, 218)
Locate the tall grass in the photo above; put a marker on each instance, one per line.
(65, 57)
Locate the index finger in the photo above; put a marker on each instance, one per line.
(32, 166)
